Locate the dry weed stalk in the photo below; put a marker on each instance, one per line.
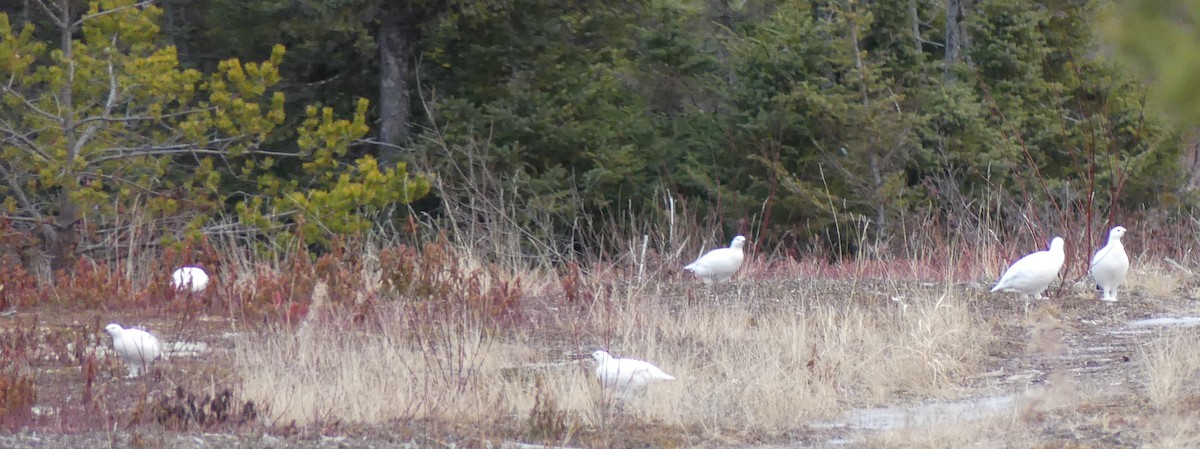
(1171, 362)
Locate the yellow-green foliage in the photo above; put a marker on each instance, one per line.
(109, 121)
(339, 198)
(366, 188)
(110, 113)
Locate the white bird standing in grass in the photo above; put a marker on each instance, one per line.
(137, 347)
(1110, 265)
(719, 264)
(1033, 273)
(626, 377)
(194, 279)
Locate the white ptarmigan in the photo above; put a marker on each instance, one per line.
(719, 264)
(1110, 265)
(193, 279)
(137, 347)
(626, 377)
(1033, 273)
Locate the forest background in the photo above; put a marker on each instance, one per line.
(545, 131)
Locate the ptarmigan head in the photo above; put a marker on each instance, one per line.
(600, 356)
(114, 329)
(1116, 233)
(1056, 245)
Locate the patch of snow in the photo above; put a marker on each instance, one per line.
(1183, 321)
(186, 348)
(928, 413)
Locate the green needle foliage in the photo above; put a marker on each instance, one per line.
(803, 119)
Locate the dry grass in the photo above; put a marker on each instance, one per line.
(754, 358)
(1171, 362)
(327, 374)
(1155, 281)
(1176, 432)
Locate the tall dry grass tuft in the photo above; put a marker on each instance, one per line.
(1154, 281)
(328, 374)
(1175, 432)
(1171, 362)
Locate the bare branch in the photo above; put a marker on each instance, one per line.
(112, 85)
(114, 179)
(223, 228)
(124, 153)
(140, 118)
(238, 225)
(22, 140)
(382, 144)
(20, 218)
(324, 81)
(87, 17)
(58, 104)
(90, 129)
(32, 106)
(54, 16)
(22, 198)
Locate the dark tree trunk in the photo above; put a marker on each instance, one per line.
(915, 23)
(175, 25)
(394, 110)
(957, 40)
(61, 238)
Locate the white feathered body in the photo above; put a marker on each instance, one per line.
(626, 376)
(1110, 265)
(719, 264)
(1032, 274)
(192, 278)
(135, 346)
